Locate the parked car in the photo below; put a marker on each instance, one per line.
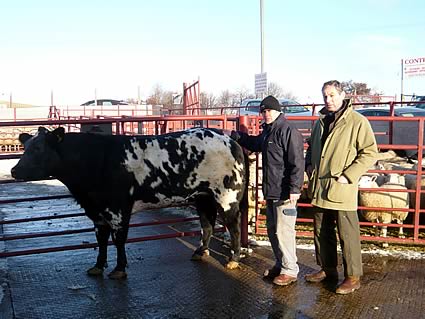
(398, 111)
(418, 98)
(403, 132)
(104, 102)
(289, 107)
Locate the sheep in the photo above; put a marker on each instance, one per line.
(391, 161)
(385, 200)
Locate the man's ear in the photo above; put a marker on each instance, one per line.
(343, 94)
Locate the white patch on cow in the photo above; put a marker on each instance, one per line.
(131, 192)
(153, 154)
(218, 163)
(163, 203)
(156, 183)
(116, 219)
(226, 197)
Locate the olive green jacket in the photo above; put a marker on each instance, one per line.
(349, 150)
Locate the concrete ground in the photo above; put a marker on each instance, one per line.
(163, 283)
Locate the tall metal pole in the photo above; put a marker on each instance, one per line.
(11, 105)
(402, 76)
(262, 35)
(138, 94)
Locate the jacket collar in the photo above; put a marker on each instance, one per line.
(272, 124)
(345, 109)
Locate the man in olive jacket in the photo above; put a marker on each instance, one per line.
(342, 147)
(282, 148)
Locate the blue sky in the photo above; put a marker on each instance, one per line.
(113, 47)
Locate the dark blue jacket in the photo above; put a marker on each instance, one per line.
(282, 150)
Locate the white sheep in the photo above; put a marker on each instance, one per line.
(385, 200)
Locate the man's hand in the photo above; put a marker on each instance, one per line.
(234, 135)
(309, 170)
(227, 132)
(343, 180)
(293, 198)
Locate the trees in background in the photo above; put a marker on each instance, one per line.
(358, 88)
(226, 98)
(208, 100)
(359, 92)
(160, 97)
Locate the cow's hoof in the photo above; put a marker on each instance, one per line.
(95, 271)
(200, 255)
(232, 265)
(117, 274)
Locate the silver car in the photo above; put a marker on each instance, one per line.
(289, 107)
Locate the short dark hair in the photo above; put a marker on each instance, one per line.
(335, 84)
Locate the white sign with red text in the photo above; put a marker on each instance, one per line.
(414, 67)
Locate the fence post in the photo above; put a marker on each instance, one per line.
(243, 126)
(418, 181)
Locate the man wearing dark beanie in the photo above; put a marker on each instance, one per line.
(270, 103)
(282, 150)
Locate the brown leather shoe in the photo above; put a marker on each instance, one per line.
(349, 284)
(271, 273)
(322, 275)
(284, 280)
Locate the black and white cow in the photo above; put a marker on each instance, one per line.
(108, 174)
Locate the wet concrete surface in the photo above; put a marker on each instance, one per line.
(164, 283)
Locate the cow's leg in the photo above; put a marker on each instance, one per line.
(103, 232)
(207, 213)
(233, 224)
(119, 237)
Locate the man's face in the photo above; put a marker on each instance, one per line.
(332, 98)
(269, 115)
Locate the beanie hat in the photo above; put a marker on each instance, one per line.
(270, 103)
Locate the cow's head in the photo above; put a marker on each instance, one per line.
(40, 158)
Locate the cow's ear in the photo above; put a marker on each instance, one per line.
(59, 133)
(23, 137)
